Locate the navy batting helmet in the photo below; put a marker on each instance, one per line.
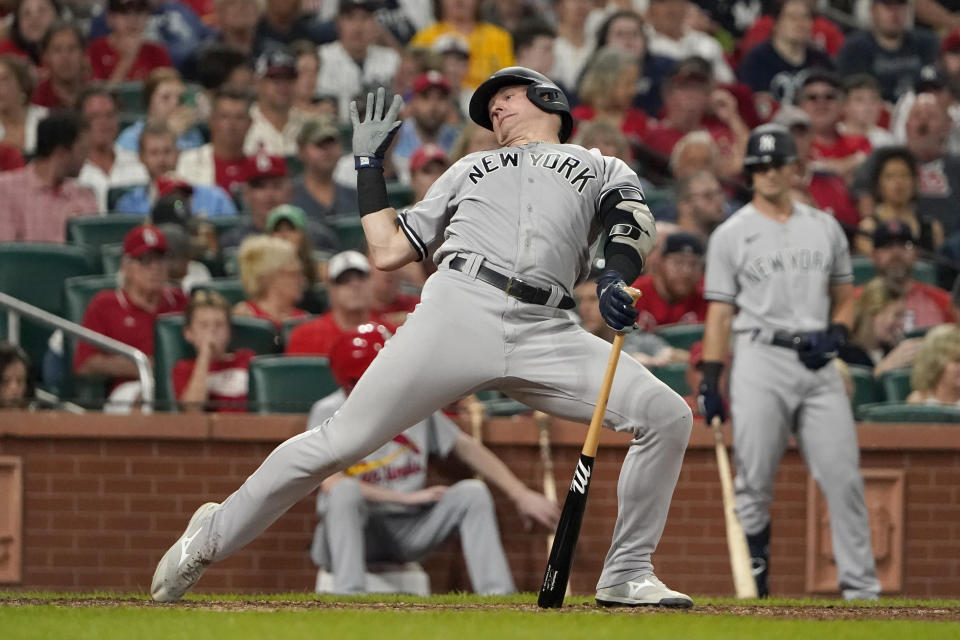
(770, 144)
(541, 91)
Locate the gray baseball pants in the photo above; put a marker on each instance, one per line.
(467, 336)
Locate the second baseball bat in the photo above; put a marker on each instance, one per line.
(568, 529)
(743, 582)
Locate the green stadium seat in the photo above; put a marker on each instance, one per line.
(294, 166)
(902, 412)
(896, 384)
(254, 333)
(505, 407)
(399, 195)
(229, 288)
(349, 231)
(222, 224)
(287, 384)
(110, 256)
(77, 292)
(673, 375)
(866, 388)
(925, 271)
(96, 231)
(917, 333)
(115, 193)
(35, 273)
(681, 336)
(129, 96)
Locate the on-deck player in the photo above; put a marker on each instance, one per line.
(779, 278)
(510, 231)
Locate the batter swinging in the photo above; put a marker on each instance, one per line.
(510, 231)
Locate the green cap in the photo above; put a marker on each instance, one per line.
(294, 215)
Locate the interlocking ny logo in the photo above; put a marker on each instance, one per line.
(767, 142)
(581, 478)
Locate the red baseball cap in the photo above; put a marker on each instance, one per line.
(951, 43)
(426, 154)
(144, 239)
(262, 165)
(169, 182)
(431, 80)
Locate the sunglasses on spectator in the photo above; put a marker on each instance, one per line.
(820, 97)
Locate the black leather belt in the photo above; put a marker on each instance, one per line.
(523, 291)
(795, 341)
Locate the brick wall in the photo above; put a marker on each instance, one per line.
(104, 497)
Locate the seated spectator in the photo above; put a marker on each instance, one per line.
(106, 165)
(820, 95)
(383, 497)
(350, 295)
(307, 60)
(773, 66)
(221, 161)
(894, 255)
(624, 30)
(934, 81)
(274, 127)
(694, 152)
(65, 61)
(272, 277)
(533, 45)
(39, 198)
(690, 102)
(876, 340)
(648, 349)
(826, 34)
(701, 204)
(429, 111)
(490, 46)
(573, 43)
(606, 90)
(670, 36)
(673, 291)
(18, 117)
(128, 313)
(472, 138)
(267, 186)
(167, 101)
(217, 379)
(31, 20)
(283, 22)
(862, 109)
(16, 383)
(158, 153)
(125, 54)
(814, 184)
(289, 223)
(894, 187)
(184, 271)
(454, 63)
(352, 62)
(229, 46)
(935, 378)
(426, 165)
(316, 191)
(389, 301)
(892, 50)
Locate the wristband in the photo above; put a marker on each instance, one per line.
(711, 373)
(364, 162)
(371, 190)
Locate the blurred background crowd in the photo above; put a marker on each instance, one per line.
(178, 175)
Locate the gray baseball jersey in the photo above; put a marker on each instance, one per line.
(530, 211)
(779, 276)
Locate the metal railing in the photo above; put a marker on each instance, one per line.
(16, 308)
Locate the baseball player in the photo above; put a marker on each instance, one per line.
(779, 279)
(380, 509)
(510, 231)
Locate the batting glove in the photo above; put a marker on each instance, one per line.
(372, 136)
(709, 400)
(616, 305)
(821, 348)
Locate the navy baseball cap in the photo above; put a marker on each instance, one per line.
(683, 242)
(891, 233)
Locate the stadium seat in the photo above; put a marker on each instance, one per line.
(673, 375)
(77, 293)
(866, 388)
(110, 255)
(681, 336)
(896, 384)
(287, 384)
(399, 195)
(96, 231)
(925, 271)
(294, 166)
(902, 412)
(229, 288)
(863, 271)
(129, 96)
(349, 231)
(222, 224)
(35, 273)
(170, 346)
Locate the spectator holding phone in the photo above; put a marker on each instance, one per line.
(167, 100)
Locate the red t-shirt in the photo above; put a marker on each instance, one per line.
(8, 46)
(634, 124)
(316, 337)
(228, 172)
(227, 380)
(114, 315)
(826, 35)
(841, 147)
(104, 58)
(927, 305)
(830, 194)
(10, 157)
(660, 137)
(655, 311)
(45, 96)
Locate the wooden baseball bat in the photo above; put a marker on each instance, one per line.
(477, 413)
(743, 582)
(557, 575)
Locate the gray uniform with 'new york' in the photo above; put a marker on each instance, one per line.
(530, 211)
(778, 275)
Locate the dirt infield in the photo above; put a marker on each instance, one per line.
(800, 612)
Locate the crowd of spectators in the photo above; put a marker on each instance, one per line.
(198, 111)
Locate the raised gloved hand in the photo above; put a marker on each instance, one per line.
(372, 136)
(616, 305)
(709, 400)
(822, 347)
